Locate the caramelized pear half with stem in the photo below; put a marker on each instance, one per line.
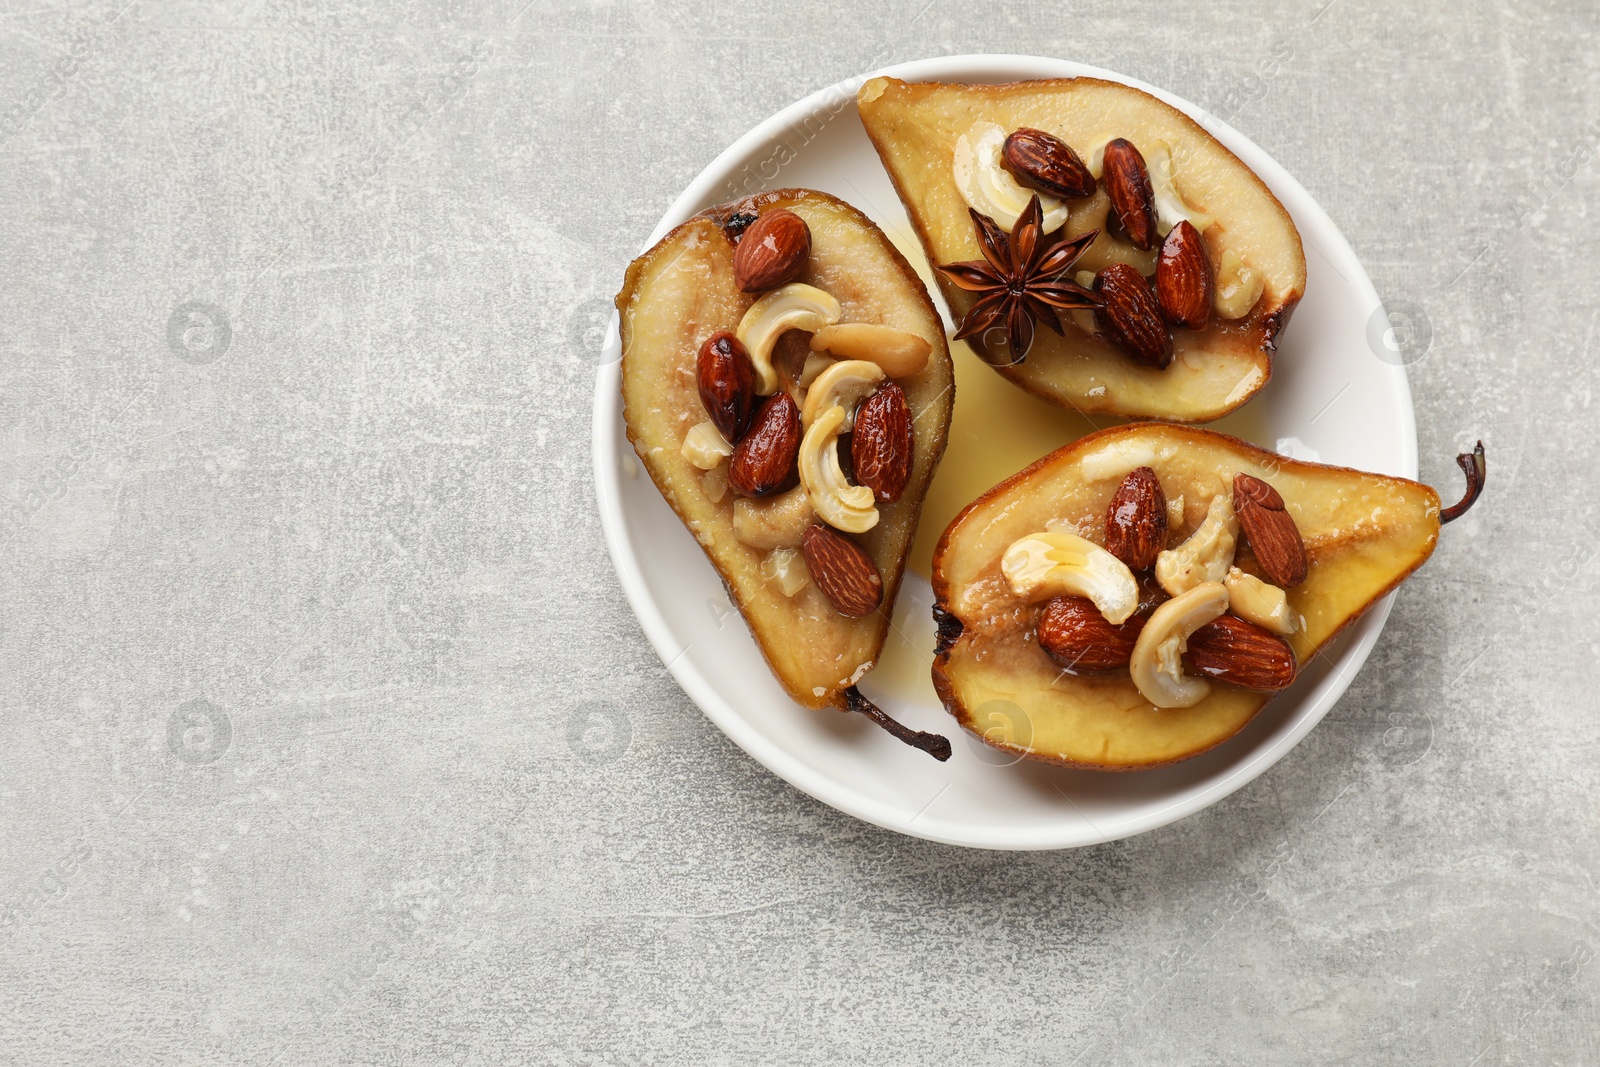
(683, 291)
(1363, 534)
(915, 128)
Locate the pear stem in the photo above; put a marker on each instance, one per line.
(1474, 466)
(933, 744)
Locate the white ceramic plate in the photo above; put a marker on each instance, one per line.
(1331, 399)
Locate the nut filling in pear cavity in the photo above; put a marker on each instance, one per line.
(1021, 281)
(1184, 268)
(1141, 593)
(774, 351)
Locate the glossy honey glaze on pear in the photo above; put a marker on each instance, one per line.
(1363, 534)
(683, 291)
(1207, 372)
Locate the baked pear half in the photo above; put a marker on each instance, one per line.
(786, 383)
(1195, 264)
(1135, 598)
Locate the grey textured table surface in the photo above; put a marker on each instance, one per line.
(309, 629)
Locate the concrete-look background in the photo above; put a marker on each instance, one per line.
(326, 735)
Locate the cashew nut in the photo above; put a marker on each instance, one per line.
(715, 483)
(776, 522)
(1239, 286)
(1157, 663)
(810, 371)
(1171, 208)
(1259, 602)
(1091, 214)
(816, 363)
(898, 352)
(1121, 456)
(1095, 158)
(1206, 555)
(704, 445)
(1051, 564)
(843, 385)
(786, 568)
(841, 505)
(795, 306)
(1083, 318)
(988, 187)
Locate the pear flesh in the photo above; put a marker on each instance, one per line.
(1364, 534)
(916, 127)
(681, 292)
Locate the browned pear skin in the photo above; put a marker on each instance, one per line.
(914, 127)
(681, 292)
(1363, 533)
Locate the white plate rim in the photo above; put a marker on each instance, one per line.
(1362, 636)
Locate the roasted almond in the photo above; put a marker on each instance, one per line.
(1269, 528)
(772, 252)
(1130, 317)
(727, 381)
(1077, 637)
(1046, 163)
(763, 462)
(1136, 520)
(842, 570)
(1133, 200)
(880, 445)
(1240, 653)
(1185, 285)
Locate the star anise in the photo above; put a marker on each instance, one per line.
(1023, 279)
